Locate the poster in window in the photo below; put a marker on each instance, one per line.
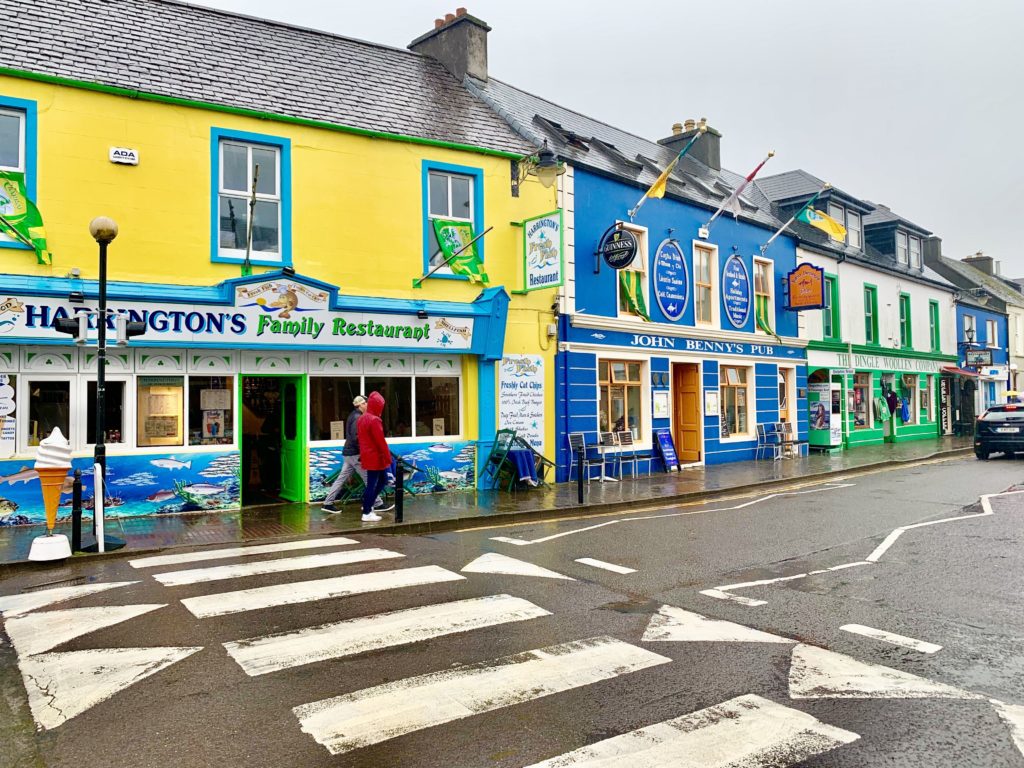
(660, 405)
(164, 405)
(438, 426)
(7, 420)
(161, 426)
(338, 430)
(521, 402)
(215, 399)
(213, 424)
(711, 402)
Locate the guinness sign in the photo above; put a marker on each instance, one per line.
(619, 248)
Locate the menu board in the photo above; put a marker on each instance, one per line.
(667, 447)
(521, 397)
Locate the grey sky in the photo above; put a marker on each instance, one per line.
(913, 103)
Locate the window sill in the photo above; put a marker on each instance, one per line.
(14, 245)
(256, 262)
(745, 438)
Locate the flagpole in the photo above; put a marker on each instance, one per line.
(668, 169)
(739, 189)
(247, 264)
(417, 282)
(793, 217)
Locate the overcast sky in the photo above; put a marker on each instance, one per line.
(916, 104)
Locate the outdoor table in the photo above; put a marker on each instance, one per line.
(526, 469)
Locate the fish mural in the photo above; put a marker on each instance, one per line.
(171, 463)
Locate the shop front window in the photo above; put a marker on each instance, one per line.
(330, 403)
(8, 414)
(733, 383)
(862, 401)
(620, 396)
(437, 406)
(113, 412)
(397, 394)
(211, 410)
(49, 406)
(161, 411)
(910, 392)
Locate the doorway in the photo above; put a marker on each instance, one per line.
(686, 414)
(273, 441)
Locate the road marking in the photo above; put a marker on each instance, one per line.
(378, 714)
(223, 603)
(606, 566)
(674, 625)
(1013, 716)
(747, 731)
(38, 632)
(724, 592)
(241, 570)
(720, 595)
(63, 685)
(223, 554)
(891, 637)
(260, 655)
(819, 674)
(494, 562)
(15, 605)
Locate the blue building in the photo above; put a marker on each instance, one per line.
(982, 333)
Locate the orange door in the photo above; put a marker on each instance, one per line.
(687, 415)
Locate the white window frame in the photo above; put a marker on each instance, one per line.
(128, 417)
(640, 264)
(970, 324)
(22, 408)
(902, 238)
(245, 196)
(20, 114)
(712, 250)
(838, 213)
(645, 428)
(859, 229)
(992, 334)
(751, 404)
(915, 256)
(771, 293)
(448, 175)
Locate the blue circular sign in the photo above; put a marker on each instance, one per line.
(671, 280)
(736, 291)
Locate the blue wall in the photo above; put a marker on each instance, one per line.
(981, 316)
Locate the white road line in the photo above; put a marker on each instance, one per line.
(606, 566)
(675, 625)
(1013, 716)
(223, 554)
(223, 603)
(494, 562)
(891, 637)
(260, 655)
(724, 592)
(38, 632)
(720, 595)
(373, 715)
(15, 605)
(747, 731)
(284, 565)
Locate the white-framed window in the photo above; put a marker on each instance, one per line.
(838, 213)
(705, 279)
(636, 274)
(237, 168)
(1018, 336)
(449, 196)
(902, 249)
(737, 401)
(992, 334)
(970, 327)
(915, 252)
(764, 306)
(117, 426)
(12, 140)
(853, 229)
(620, 405)
(862, 401)
(44, 402)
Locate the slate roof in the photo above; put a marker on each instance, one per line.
(964, 274)
(186, 51)
(883, 214)
(799, 183)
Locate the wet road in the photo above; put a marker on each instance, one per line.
(819, 626)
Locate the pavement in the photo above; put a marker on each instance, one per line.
(432, 513)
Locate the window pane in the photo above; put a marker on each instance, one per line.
(438, 203)
(233, 222)
(617, 404)
(265, 227)
(330, 403)
(704, 298)
(397, 394)
(10, 140)
(602, 370)
(49, 406)
(235, 168)
(853, 229)
(618, 372)
(633, 411)
(462, 206)
(211, 406)
(113, 413)
(634, 371)
(8, 407)
(437, 406)
(161, 406)
(266, 159)
(837, 213)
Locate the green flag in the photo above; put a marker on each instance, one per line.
(632, 283)
(19, 217)
(453, 237)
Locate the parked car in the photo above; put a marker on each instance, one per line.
(999, 430)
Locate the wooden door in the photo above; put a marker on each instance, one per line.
(687, 411)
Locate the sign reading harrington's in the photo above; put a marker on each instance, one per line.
(543, 251)
(273, 312)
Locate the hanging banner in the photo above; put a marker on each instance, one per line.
(805, 288)
(543, 251)
(521, 398)
(671, 280)
(736, 291)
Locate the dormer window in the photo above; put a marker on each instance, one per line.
(850, 220)
(908, 250)
(902, 257)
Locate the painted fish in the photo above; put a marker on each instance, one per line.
(23, 475)
(7, 508)
(171, 464)
(204, 489)
(161, 496)
(440, 448)
(451, 475)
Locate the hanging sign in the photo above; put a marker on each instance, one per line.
(619, 248)
(543, 251)
(671, 280)
(806, 288)
(736, 291)
(978, 357)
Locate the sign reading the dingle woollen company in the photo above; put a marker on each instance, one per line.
(619, 248)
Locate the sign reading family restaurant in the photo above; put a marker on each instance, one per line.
(269, 313)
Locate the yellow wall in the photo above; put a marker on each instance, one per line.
(356, 205)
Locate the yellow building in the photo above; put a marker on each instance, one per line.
(238, 390)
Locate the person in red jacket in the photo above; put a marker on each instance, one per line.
(374, 454)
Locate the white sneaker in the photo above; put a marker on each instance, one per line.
(372, 518)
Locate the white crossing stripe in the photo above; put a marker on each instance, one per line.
(224, 554)
(223, 603)
(377, 714)
(606, 566)
(15, 605)
(271, 653)
(674, 625)
(1013, 716)
(720, 595)
(892, 637)
(260, 567)
(38, 632)
(747, 731)
(493, 562)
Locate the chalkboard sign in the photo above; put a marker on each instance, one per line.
(663, 439)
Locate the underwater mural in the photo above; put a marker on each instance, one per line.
(147, 484)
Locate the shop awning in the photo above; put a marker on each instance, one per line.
(953, 370)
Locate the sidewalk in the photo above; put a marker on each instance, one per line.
(467, 509)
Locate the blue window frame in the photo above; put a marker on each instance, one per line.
(233, 156)
(445, 195)
(21, 129)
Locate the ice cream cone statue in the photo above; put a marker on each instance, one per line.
(53, 462)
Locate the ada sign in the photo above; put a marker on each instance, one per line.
(736, 291)
(543, 251)
(619, 248)
(671, 280)
(124, 156)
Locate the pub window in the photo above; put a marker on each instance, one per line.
(437, 406)
(49, 406)
(161, 411)
(620, 396)
(862, 404)
(397, 394)
(830, 312)
(763, 307)
(991, 334)
(703, 285)
(330, 403)
(735, 396)
(631, 281)
(113, 412)
(211, 405)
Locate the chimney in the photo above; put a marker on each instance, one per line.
(981, 261)
(708, 148)
(932, 250)
(458, 42)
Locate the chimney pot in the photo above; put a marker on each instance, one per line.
(438, 23)
(677, 128)
(689, 125)
(449, 17)
(460, 11)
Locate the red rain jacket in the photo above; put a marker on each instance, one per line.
(373, 448)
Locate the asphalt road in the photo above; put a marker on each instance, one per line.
(750, 612)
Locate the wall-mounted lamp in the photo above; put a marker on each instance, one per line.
(76, 297)
(287, 271)
(421, 314)
(545, 165)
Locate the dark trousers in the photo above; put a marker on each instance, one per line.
(375, 480)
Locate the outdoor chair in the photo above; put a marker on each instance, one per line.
(578, 451)
(768, 440)
(610, 442)
(629, 453)
(498, 461)
(542, 463)
(788, 440)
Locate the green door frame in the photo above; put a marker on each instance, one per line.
(297, 449)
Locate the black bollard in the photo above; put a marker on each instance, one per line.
(579, 478)
(76, 512)
(399, 491)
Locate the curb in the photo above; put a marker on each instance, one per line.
(504, 518)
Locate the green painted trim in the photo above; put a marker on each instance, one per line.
(906, 320)
(833, 306)
(113, 90)
(828, 346)
(934, 329)
(872, 349)
(874, 314)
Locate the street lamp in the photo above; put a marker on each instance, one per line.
(544, 165)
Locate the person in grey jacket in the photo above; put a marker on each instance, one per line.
(350, 462)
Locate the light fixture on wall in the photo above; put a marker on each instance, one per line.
(545, 165)
(421, 314)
